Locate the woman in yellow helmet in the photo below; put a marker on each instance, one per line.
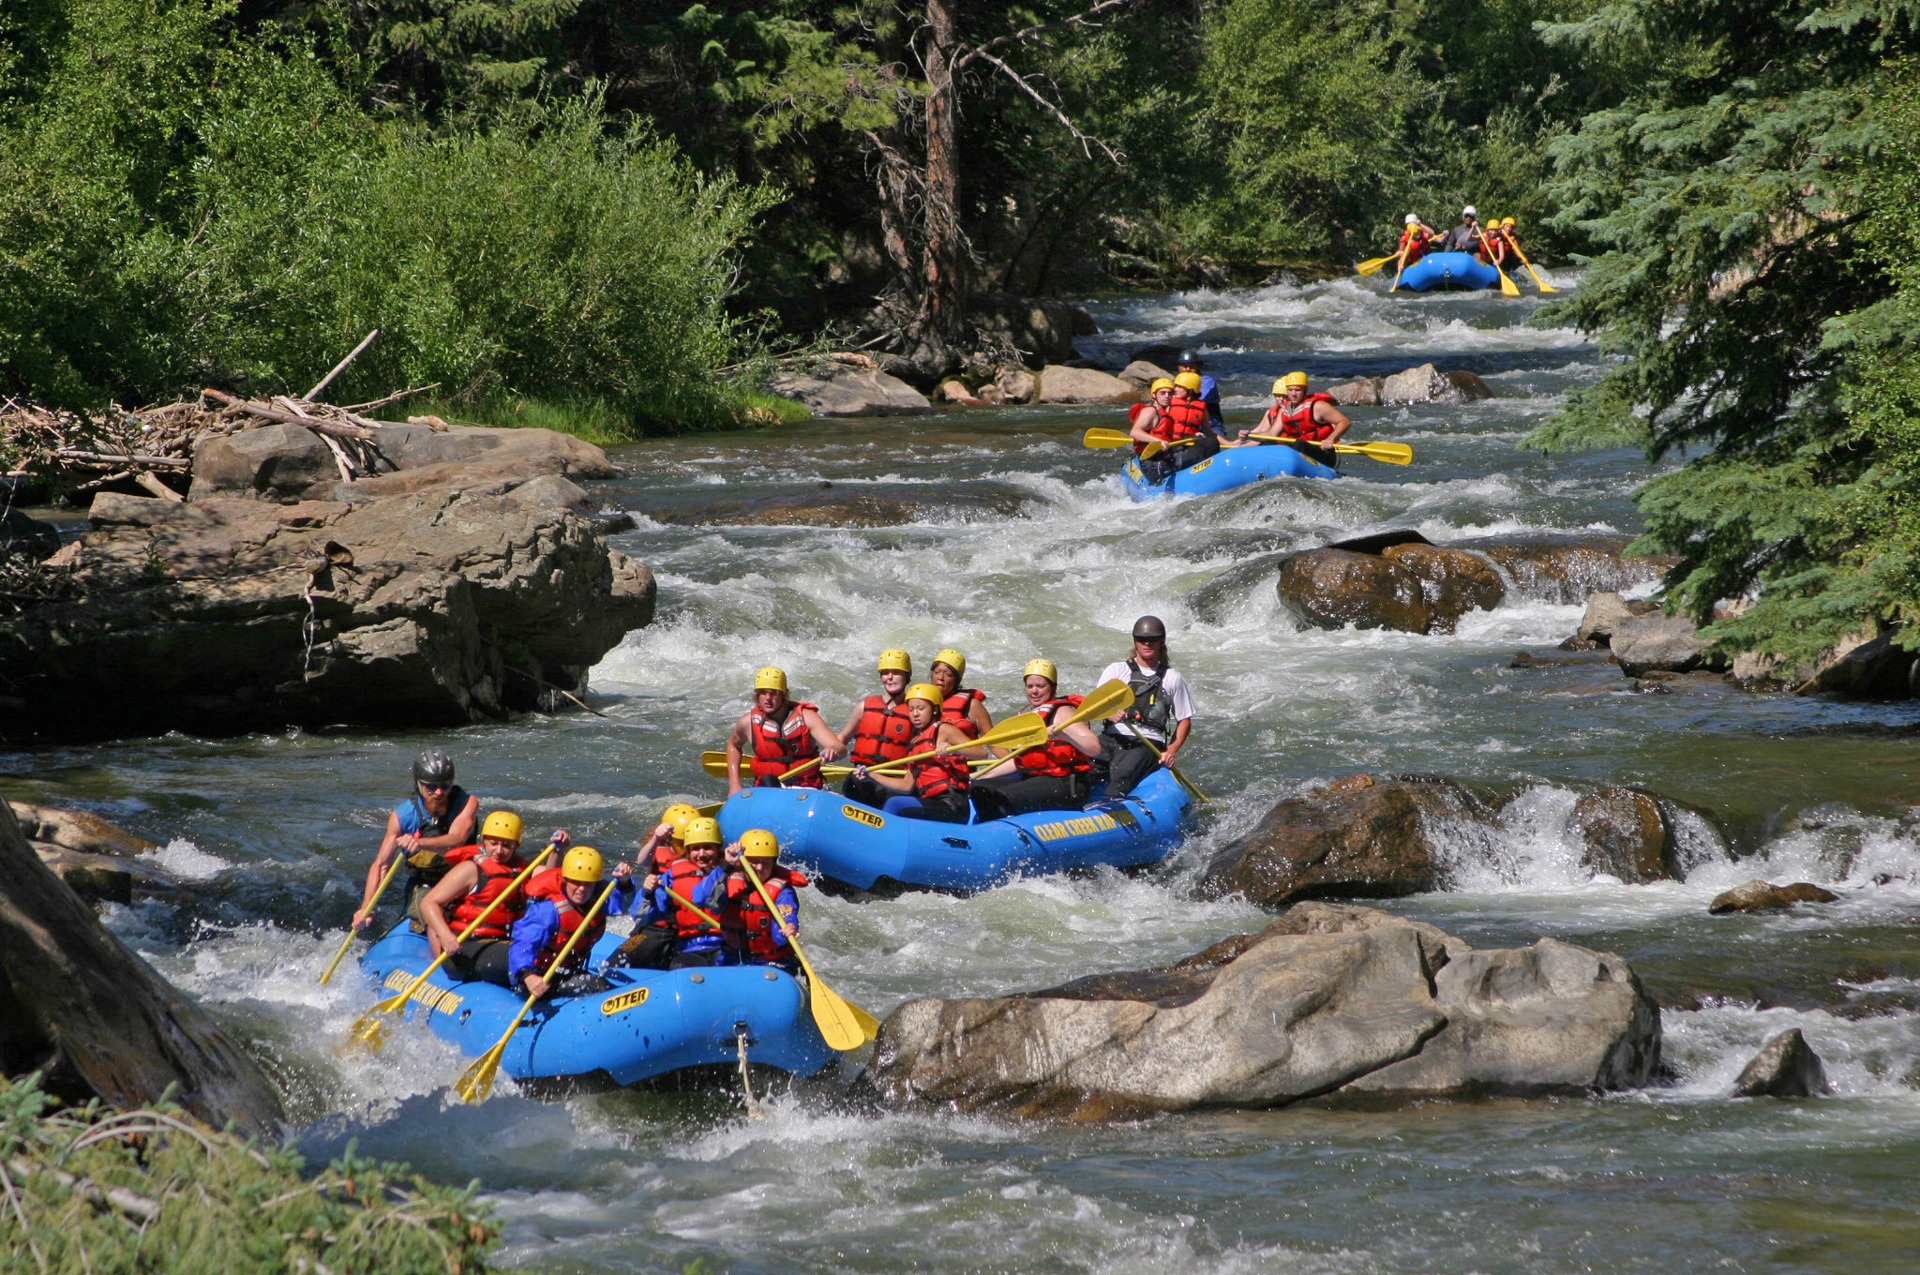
(880, 727)
(935, 787)
(966, 709)
(550, 924)
(777, 735)
(1310, 423)
(1052, 777)
(650, 944)
(480, 874)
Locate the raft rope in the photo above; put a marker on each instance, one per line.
(754, 1110)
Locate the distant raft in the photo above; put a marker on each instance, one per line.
(1449, 272)
(649, 1023)
(847, 842)
(1235, 467)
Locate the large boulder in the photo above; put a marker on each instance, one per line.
(852, 390)
(1453, 581)
(1657, 642)
(220, 615)
(1326, 1000)
(1335, 588)
(1428, 384)
(1565, 568)
(1605, 612)
(273, 461)
(1059, 384)
(1365, 836)
(1786, 1067)
(1364, 392)
(1875, 669)
(97, 1020)
(1140, 374)
(1627, 834)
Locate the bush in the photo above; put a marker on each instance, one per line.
(184, 204)
(155, 1190)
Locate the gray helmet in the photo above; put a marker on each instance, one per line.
(1149, 626)
(1187, 356)
(433, 767)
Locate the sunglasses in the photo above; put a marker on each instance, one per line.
(1149, 641)
(435, 787)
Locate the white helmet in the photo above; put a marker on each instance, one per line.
(1413, 219)
(1469, 211)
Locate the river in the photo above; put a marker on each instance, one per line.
(1026, 545)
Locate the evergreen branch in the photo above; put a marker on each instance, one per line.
(1022, 36)
(1087, 141)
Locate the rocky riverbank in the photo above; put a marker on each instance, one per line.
(464, 578)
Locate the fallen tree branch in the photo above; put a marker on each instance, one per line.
(337, 429)
(341, 366)
(154, 462)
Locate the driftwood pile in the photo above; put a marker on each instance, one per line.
(152, 447)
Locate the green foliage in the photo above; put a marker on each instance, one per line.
(154, 1191)
(1754, 307)
(182, 206)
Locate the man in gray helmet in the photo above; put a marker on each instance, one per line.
(1155, 728)
(1209, 391)
(435, 819)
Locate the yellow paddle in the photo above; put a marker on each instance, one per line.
(1374, 265)
(691, 906)
(1543, 284)
(1508, 288)
(1156, 446)
(714, 762)
(1015, 733)
(1097, 437)
(1391, 453)
(1104, 700)
(844, 1025)
(369, 1029)
(477, 1081)
(347, 942)
(1406, 242)
(1183, 781)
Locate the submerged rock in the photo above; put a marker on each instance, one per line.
(1327, 1000)
(1626, 834)
(1656, 642)
(1762, 896)
(226, 615)
(1365, 836)
(1334, 588)
(97, 1019)
(1786, 1067)
(844, 506)
(1565, 568)
(1453, 581)
(1428, 384)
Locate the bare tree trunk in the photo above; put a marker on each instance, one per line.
(942, 317)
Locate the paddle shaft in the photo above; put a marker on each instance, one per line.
(478, 1080)
(399, 1002)
(1406, 243)
(1388, 452)
(1001, 736)
(832, 1013)
(1543, 285)
(347, 942)
(691, 906)
(1183, 781)
(1106, 699)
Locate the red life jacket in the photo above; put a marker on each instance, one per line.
(544, 884)
(1133, 414)
(781, 744)
(571, 918)
(881, 734)
(1184, 418)
(752, 928)
(495, 877)
(1415, 243)
(1056, 757)
(937, 776)
(954, 712)
(681, 878)
(1298, 422)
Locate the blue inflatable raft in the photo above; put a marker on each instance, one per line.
(1449, 272)
(1223, 471)
(648, 1023)
(845, 841)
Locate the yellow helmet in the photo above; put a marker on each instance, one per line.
(894, 660)
(583, 863)
(770, 679)
(1188, 381)
(701, 832)
(926, 691)
(1290, 380)
(1505, 222)
(1160, 383)
(1041, 668)
(953, 660)
(503, 824)
(677, 815)
(758, 843)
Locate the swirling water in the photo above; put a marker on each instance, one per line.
(1019, 542)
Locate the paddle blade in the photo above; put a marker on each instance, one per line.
(1107, 699)
(369, 1031)
(1508, 288)
(835, 1017)
(1106, 438)
(1009, 733)
(1152, 449)
(709, 812)
(714, 763)
(1374, 266)
(1390, 453)
(476, 1082)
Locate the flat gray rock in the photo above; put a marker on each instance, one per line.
(1057, 384)
(853, 392)
(1656, 641)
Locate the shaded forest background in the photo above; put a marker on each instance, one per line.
(627, 209)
